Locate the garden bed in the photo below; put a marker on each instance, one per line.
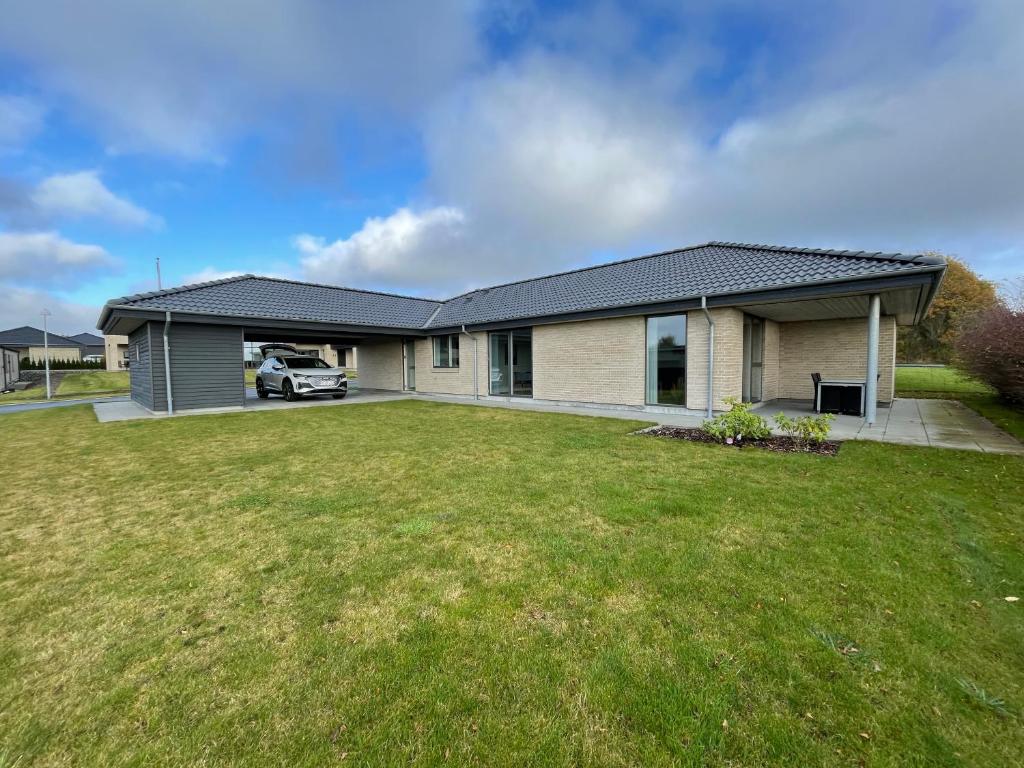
(777, 443)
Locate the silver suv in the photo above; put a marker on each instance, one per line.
(294, 375)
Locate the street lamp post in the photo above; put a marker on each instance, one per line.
(46, 351)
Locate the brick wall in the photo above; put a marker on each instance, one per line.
(450, 381)
(728, 358)
(591, 361)
(380, 365)
(837, 349)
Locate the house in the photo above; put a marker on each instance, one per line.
(682, 329)
(115, 352)
(28, 342)
(91, 344)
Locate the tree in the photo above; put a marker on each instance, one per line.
(962, 295)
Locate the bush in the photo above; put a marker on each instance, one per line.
(806, 429)
(62, 365)
(992, 349)
(736, 424)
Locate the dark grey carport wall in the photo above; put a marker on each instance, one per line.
(206, 366)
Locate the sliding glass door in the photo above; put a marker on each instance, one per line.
(511, 356)
(753, 359)
(666, 360)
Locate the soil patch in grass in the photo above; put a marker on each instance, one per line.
(777, 443)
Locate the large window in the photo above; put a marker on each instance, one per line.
(446, 351)
(512, 363)
(666, 360)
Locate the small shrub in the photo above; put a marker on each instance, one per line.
(806, 429)
(736, 424)
(992, 348)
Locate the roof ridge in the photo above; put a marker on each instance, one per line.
(250, 276)
(583, 269)
(919, 258)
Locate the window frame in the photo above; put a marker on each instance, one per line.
(449, 344)
(648, 381)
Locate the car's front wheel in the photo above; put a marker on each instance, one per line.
(289, 392)
(261, 390)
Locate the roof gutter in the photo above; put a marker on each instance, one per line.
(476, 368)
(711, 352)
(167, 364)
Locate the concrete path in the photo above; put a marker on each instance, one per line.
(935, 423)
(128, 410)
(39, 406)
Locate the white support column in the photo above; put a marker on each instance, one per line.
(871, 388)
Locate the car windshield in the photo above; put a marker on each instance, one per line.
(306, 361)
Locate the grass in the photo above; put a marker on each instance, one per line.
(948, 383)
(424, 583)
(77, 384)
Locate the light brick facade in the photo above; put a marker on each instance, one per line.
(115, 349)
(603, 361)
(728, 358)
(57, 354)
(452, 381)
(381, 365)
(837, 349)
(592, 361)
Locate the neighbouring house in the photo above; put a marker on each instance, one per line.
(10, 367)
(683, 329)
(115, 352)
(91, 344)
(28, 342)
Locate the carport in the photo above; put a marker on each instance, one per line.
(186, 345)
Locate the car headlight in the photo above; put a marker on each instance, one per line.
(300, 376)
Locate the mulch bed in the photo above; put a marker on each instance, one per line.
(773, 443)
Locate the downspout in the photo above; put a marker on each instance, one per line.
(167, 364)
(476, 368)
(711, 352)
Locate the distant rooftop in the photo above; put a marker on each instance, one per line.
(27, 336)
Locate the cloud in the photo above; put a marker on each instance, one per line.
(183, 78)
(564, 155)
(20, 120)
(83, 195)
(23, 306)
(407, 249)
(46, 258)
(552, 163)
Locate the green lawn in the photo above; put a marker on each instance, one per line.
(426, 583)
(948, 383)
(78, 384)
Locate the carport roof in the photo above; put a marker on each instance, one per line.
(713, 269)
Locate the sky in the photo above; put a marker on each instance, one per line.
(429, 148)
